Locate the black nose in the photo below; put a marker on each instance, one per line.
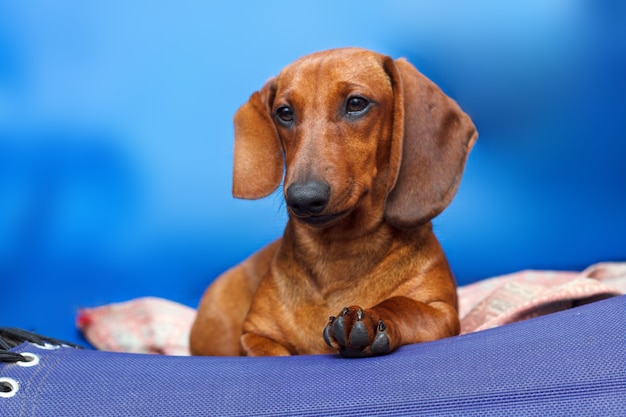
(309, 198)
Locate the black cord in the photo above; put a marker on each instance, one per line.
(11, 337)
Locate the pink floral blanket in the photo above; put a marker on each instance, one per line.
(155, 325)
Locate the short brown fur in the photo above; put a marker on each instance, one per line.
(390, 170)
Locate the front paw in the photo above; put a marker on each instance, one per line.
(357, 333)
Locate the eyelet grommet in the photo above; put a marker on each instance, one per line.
(8, 387)
(30, 360)
(46, 346)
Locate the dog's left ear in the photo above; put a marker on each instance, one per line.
(431, 140)
(258, 155)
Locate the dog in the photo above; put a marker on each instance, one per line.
(370, 151)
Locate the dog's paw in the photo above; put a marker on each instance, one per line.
(357, 333)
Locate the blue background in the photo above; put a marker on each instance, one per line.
(116, 137)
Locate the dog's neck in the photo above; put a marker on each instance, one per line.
(351, 255)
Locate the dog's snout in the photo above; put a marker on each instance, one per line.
(309, 198)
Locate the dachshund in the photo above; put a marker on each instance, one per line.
(369, 151)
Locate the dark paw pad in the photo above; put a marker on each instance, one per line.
(355, 333)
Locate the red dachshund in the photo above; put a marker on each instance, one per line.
(371, 151)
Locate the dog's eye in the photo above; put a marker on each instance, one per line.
(285, 114)
(356, 105)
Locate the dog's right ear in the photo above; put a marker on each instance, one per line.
(259, 162)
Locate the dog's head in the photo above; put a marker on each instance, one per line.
(349, 126)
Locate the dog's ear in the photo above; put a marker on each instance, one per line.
(258, 155)
(431, 140)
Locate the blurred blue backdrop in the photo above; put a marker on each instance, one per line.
(116, 137)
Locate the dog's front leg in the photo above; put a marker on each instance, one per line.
(358, 332)
(256, 345)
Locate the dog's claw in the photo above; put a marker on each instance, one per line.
(381, 326)
(345, 311)
(380, 345)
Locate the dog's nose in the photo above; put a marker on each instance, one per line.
(309, 198)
